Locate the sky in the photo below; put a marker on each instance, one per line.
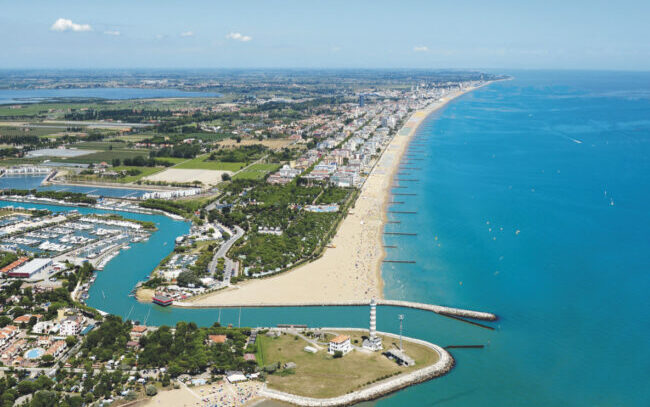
(431, 34)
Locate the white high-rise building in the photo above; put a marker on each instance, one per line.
(373, 342)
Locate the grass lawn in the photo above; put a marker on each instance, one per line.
(257, 171)
(199, 163)
(320, 375)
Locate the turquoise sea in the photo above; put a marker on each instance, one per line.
(531, 203)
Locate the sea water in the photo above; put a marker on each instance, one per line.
(532, 203)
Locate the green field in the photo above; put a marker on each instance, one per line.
(320, 375)
(103, 156)
(200, 163)
(172, 160)
(144, 172)
(257, 171)
(34, 131)
(108, 146)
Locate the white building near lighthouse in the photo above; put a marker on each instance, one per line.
(341, 344)
(373, 342)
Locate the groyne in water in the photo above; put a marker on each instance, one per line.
(438, 309)
(444, 364)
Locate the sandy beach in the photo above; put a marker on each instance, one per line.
(351, 270)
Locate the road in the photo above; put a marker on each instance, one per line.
(230, 265)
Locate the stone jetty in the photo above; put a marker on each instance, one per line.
(438, 309)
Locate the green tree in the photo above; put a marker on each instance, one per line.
(151, 390)
(70, 341)
(44, 398)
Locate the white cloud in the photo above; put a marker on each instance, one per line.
(187, 34)
(115, 33)
(420, 48)
(239, 37)
(63, 24)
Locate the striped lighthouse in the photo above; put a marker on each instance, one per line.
(373, 318)
(373, 342)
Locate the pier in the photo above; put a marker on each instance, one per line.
(406, 180)
(404, 212)
(399, 261)
(400, 234)
(438, 309)
(404, 194)
(394, 221)
(458, 318)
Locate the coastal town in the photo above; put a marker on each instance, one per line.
(278, 195)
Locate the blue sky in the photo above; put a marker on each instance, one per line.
(325, 34)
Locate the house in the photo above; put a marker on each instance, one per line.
(7, 333)
(45, 327)
(340, 343)
(56, 349)
(24, 319)
(137, 331)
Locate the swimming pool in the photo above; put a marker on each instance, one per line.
(34, 353)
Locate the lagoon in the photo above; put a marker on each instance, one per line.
(20, 96)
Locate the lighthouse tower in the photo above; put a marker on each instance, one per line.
(373, 343)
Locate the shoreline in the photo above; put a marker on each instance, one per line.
(395, 167)
(351, 268)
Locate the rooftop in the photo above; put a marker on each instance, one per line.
(340, 339)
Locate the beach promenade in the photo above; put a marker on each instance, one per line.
(351, 268)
